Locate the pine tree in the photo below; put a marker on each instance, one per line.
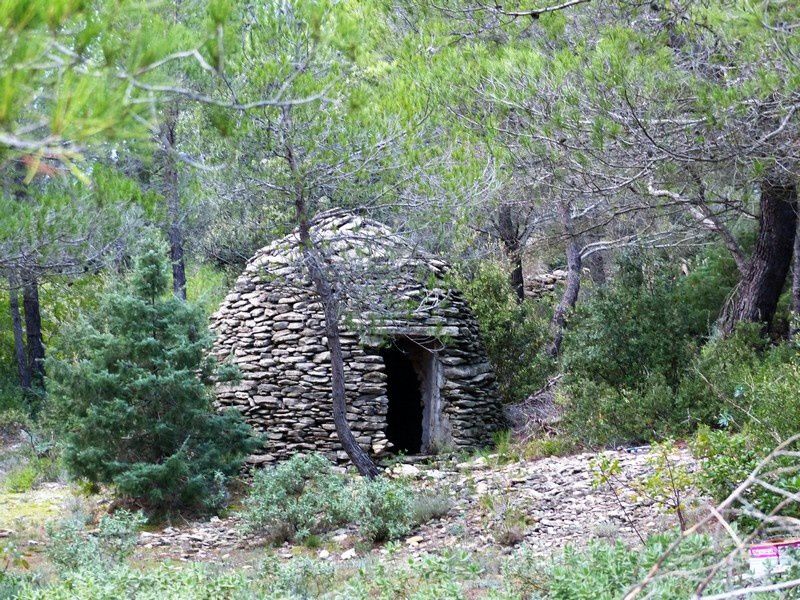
(133, 384)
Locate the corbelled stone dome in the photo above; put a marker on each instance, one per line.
(417, 376)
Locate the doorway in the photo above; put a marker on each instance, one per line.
(412, 390)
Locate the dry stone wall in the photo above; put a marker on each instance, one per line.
(271, 326)
(544, 284)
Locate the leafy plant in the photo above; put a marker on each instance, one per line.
(303, 497)
(748, 383)
(431, 577)
(727, 459)
(429, 507)
(72, 547)
(303, 577)
(513, 333)
(626, 354)
(32, 470)
(131, 383)
(385, 509)
(297, 498)
(667, 484)
(11, 557)
(506, 520)
(604, 571)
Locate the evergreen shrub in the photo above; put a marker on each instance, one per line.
(131, 384)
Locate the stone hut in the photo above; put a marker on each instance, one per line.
(417, 376)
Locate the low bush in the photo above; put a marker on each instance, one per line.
(297, 498)
(748, 383)
(428, 508)
(384, 509)
(667, 484)
(510, 449)
(304, 496)
(727, 459)
(430, 577)
(628, 349)
(32, 470)
(21, 478)
(604, 415)
(302, 577)
(605, 571)
(504, 517)
(12, 417)
(448, 575)
(72, 547)
(11, 582)
(155, 582)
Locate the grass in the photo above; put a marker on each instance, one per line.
(507, 449)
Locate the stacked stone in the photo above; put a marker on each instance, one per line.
(544, 284)
(271, 326)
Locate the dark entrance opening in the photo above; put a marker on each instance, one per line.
(404, 390)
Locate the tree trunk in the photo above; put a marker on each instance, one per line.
(33, 329)
(573, 282)
(509, 237)
(354, 451)
(19, 342)
(794, 326)
(171, 183)
(330, 307)
(756, 297)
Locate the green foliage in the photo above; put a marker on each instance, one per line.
(752, 386)
(600, 414)
(727, 459)
(667, 484)
(385, 509)
(507, 449)
(748, 383)
(630, 329)
(605, 572)
(303, 496)
(513, 333)
(504, 517)
(626, 354)
(37, 460)
(162, 581)
(131, 384)
(72, 548)
(10, 557)
(429, 507)
(32, 471)
(206, 286)
(297, 498)
(303, 577)
(432, 577)
(702, 293)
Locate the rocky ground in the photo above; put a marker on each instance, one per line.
(544, 504)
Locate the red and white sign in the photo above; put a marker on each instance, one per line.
(773, 556)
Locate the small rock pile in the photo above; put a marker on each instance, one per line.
(215, 538)
(543, 284)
